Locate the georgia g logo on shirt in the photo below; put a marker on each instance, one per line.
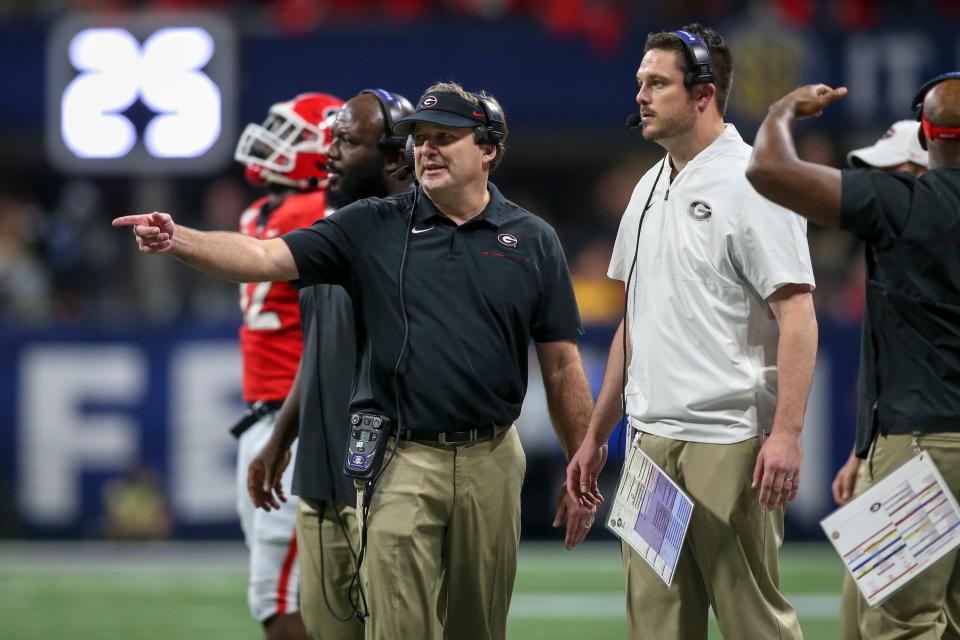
(700, 210)
(507, 240)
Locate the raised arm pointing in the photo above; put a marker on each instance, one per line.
(225, 255)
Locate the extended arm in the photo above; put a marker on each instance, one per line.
(223, 254)
(777, 472)
(569, 402)
(778, 174)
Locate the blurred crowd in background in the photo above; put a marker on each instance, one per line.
(61, 262)
(72, 287)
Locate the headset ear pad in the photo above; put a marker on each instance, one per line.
(408, 156)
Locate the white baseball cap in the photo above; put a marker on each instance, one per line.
(898, 145)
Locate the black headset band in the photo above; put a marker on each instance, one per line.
(917, 103)
(698, 54)
(394, 107)
(494, 130)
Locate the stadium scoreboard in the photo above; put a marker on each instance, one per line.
(141, 94)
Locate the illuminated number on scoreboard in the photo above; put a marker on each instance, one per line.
(165, 74)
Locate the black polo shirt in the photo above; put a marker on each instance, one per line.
(910, 357)
(326, 380)
(475, 295)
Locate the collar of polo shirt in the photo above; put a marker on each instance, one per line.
(492, 214)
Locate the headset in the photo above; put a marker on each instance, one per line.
(494, 130)
(699, 54)
(927, 130)
(394, 107)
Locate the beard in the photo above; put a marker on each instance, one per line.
(673, 126)
(365, 180)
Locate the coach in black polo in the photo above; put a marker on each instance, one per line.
(481, 277)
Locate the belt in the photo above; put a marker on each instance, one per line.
(454, 437)
(255, 411)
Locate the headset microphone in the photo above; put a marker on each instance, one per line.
(634, 121)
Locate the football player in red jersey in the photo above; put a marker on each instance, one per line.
(287, 154)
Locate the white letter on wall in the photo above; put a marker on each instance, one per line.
(205, 382)
(58, 439)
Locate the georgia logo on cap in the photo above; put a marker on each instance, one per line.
(429, 101)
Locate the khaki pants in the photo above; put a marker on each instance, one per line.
(729, 559)
(337, 569)
(929, 606)
(442, 540)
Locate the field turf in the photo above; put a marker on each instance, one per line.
(185, 591)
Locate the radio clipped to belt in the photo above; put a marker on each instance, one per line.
(367, 444)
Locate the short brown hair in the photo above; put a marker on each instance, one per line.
(457, 90)
(721, 62)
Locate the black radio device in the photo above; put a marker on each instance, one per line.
(368, 442)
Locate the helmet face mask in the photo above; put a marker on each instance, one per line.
(290, 147)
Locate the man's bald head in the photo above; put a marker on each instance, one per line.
(941, 105)
(941, 108)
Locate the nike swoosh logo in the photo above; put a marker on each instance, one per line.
(415, 230)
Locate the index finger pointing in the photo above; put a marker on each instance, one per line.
(126, 221)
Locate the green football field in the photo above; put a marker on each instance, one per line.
(186, 591)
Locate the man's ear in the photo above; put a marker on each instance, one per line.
(489, 152)
(393, 159)
(703, 93)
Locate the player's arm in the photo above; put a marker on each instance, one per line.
(569, 402)
(777, 472)
(225, 255)
(587, 463)
(775, 170)
(265, 473)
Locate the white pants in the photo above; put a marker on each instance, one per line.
(271, 536)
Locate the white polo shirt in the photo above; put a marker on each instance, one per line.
(704, 340)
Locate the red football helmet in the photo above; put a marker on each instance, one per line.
(290, 147)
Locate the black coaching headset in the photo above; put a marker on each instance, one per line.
(699, 54)
(928, 131)
(394, 107)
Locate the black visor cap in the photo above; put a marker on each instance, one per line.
(443, 109)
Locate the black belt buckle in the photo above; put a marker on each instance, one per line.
(254, 412)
